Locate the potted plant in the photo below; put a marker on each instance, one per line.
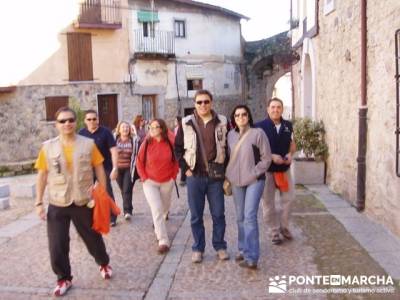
(309, 161)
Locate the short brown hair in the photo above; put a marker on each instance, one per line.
(203, 92)
(64, 109)
(90, 111)
(274, 99)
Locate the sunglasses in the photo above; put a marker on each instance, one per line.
(155, 127)
(205, 102)
(69, 120)
(94, 119)
(241, 115)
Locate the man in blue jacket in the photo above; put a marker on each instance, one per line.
(280, 136)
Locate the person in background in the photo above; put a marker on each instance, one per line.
(212, 129)
(250, 157)
(105, 142)
(280, 136)
(139, 128)
(178, 124)
(65, 166)
(127, 148)
(157, 168)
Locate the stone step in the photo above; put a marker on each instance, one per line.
(4, 190)
(4, 203)
(23, 190)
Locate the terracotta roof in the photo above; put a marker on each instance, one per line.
(7, 89)
(213, 7)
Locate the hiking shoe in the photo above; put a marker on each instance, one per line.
(248, 265)
(62, 287)
(162, 249)
(286, 233)
(276, 239)
(127, 216)
(106, 271)
(222, 254)
(239, 257)
(197, 257)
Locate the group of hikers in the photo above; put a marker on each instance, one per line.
(214, 155)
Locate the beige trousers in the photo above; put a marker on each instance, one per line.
(277, 218)
(158, 196)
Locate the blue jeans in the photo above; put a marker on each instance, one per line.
(198, 187)
(247, 200)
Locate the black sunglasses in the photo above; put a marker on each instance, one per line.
(241, 115)
(69, 120)
(94, 119)
(203, 102)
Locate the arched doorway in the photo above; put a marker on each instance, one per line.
(283, 91)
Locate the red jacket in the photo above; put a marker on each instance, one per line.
(159, 164)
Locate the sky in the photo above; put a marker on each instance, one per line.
(267, 17)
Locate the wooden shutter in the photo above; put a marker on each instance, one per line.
(53, 104)
(80, 65)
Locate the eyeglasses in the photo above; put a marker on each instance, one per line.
(69, 120)
(205, 102)
(155, 127)
(93, 119)
(241, 115)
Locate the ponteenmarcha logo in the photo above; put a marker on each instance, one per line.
(277, 285)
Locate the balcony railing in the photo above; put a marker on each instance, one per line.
(155, 43)
(99, 14)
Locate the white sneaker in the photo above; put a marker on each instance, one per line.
(127, 216)
(106, 271)
(62, 287)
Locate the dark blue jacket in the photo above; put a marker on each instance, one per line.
(279, 142)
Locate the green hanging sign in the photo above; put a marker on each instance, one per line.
(147, 16)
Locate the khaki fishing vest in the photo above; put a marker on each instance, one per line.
(65, 188)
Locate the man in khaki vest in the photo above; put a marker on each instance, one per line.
(65, 165)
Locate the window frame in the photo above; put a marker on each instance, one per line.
(51, 109)
(191, 86)
(177, 33)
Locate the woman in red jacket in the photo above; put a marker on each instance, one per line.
(157, 168)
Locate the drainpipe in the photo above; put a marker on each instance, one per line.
(362, 114)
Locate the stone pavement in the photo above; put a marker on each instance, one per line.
(330, 238)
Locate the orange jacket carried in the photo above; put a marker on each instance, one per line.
(101, 211)
(281, 181)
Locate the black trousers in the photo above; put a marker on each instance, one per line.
(126, 186)
(58, 223)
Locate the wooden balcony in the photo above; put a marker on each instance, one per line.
(154, 44)
(99, 14)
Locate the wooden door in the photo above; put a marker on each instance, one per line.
(108, 110)
(149, 107)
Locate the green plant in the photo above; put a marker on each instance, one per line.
(80, 114)
(309, 137)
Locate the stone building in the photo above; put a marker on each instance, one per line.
(122, 58)
(339, 77)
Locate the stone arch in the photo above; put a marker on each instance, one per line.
(308, 85)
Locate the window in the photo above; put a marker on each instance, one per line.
(53, 104)
(148, 29)
(329, 6)
(80, 66)
(180, 28)
(194, 84)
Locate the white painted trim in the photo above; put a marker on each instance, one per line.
(308, 49)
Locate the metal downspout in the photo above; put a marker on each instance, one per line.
(362, 113)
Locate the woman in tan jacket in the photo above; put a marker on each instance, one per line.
(250, 157)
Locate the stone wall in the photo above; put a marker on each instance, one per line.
(337, 57)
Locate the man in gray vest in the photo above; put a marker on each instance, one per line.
(208, 128)
(65, 165)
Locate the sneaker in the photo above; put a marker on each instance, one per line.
(182, 183)
(162, 249)
(197, 257)
(62, 287)
(286, 233)
(239, 257)
(106, 271)
(276, 239)
(127, 217)
(222, 254)
(248, 265)
(113, 224)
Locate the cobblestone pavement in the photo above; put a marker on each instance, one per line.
(321, 246)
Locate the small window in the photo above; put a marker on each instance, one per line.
(329, 6)
(148, 29)
(194, 84)
(80, 66)
(53, 104)
(180, 28)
